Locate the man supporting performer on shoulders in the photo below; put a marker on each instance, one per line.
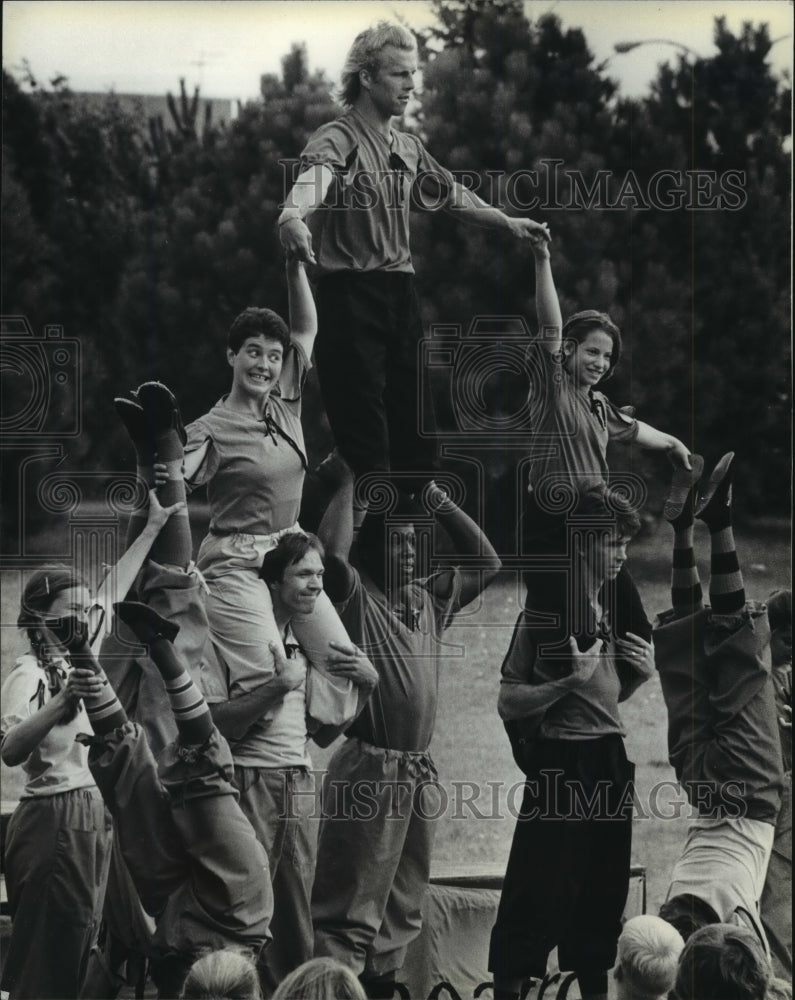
(356, 185)
(267, 730)
(373, 865)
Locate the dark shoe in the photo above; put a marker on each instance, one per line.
(381, 988)
(145, 622)
(138, 427)
(161, 409)
(717, 496)
(680, 503)
(70, 632)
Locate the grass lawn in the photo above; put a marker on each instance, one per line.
(470, 748)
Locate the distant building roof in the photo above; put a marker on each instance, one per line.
(152, 105)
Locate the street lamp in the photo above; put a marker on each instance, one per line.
(623, 47)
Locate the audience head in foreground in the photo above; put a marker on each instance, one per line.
(648, 957)
(320, 979)
(722, 962)
(226, 974)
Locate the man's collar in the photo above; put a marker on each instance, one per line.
(387, 134)
(290, 643)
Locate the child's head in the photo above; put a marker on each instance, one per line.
(648, 955)
(592, 346)
(320, 979)
(722, 962)
(52, 592)
(779, 614)
(222, 975)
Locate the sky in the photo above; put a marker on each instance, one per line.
(145, 46)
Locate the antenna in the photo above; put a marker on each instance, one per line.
(202, 61)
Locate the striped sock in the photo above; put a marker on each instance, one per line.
(193, 718)
(173, 545)
(137, 521)
(191, 713)
(105, 712)
(726, 589)
(686, 593)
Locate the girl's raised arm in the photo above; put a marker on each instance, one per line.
(303, 314)
(550, 320)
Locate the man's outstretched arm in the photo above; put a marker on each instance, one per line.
(465, 203)
(305, 197)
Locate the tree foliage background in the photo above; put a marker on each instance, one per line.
(145, 243)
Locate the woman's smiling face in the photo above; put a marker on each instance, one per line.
(589, 360)
(257, 365)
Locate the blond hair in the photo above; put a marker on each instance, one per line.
(365, 53)
(648, 956)
(227, 974)
(320, 979)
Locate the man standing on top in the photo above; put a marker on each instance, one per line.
(358, 178)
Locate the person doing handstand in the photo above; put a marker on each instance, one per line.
(723, 738)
